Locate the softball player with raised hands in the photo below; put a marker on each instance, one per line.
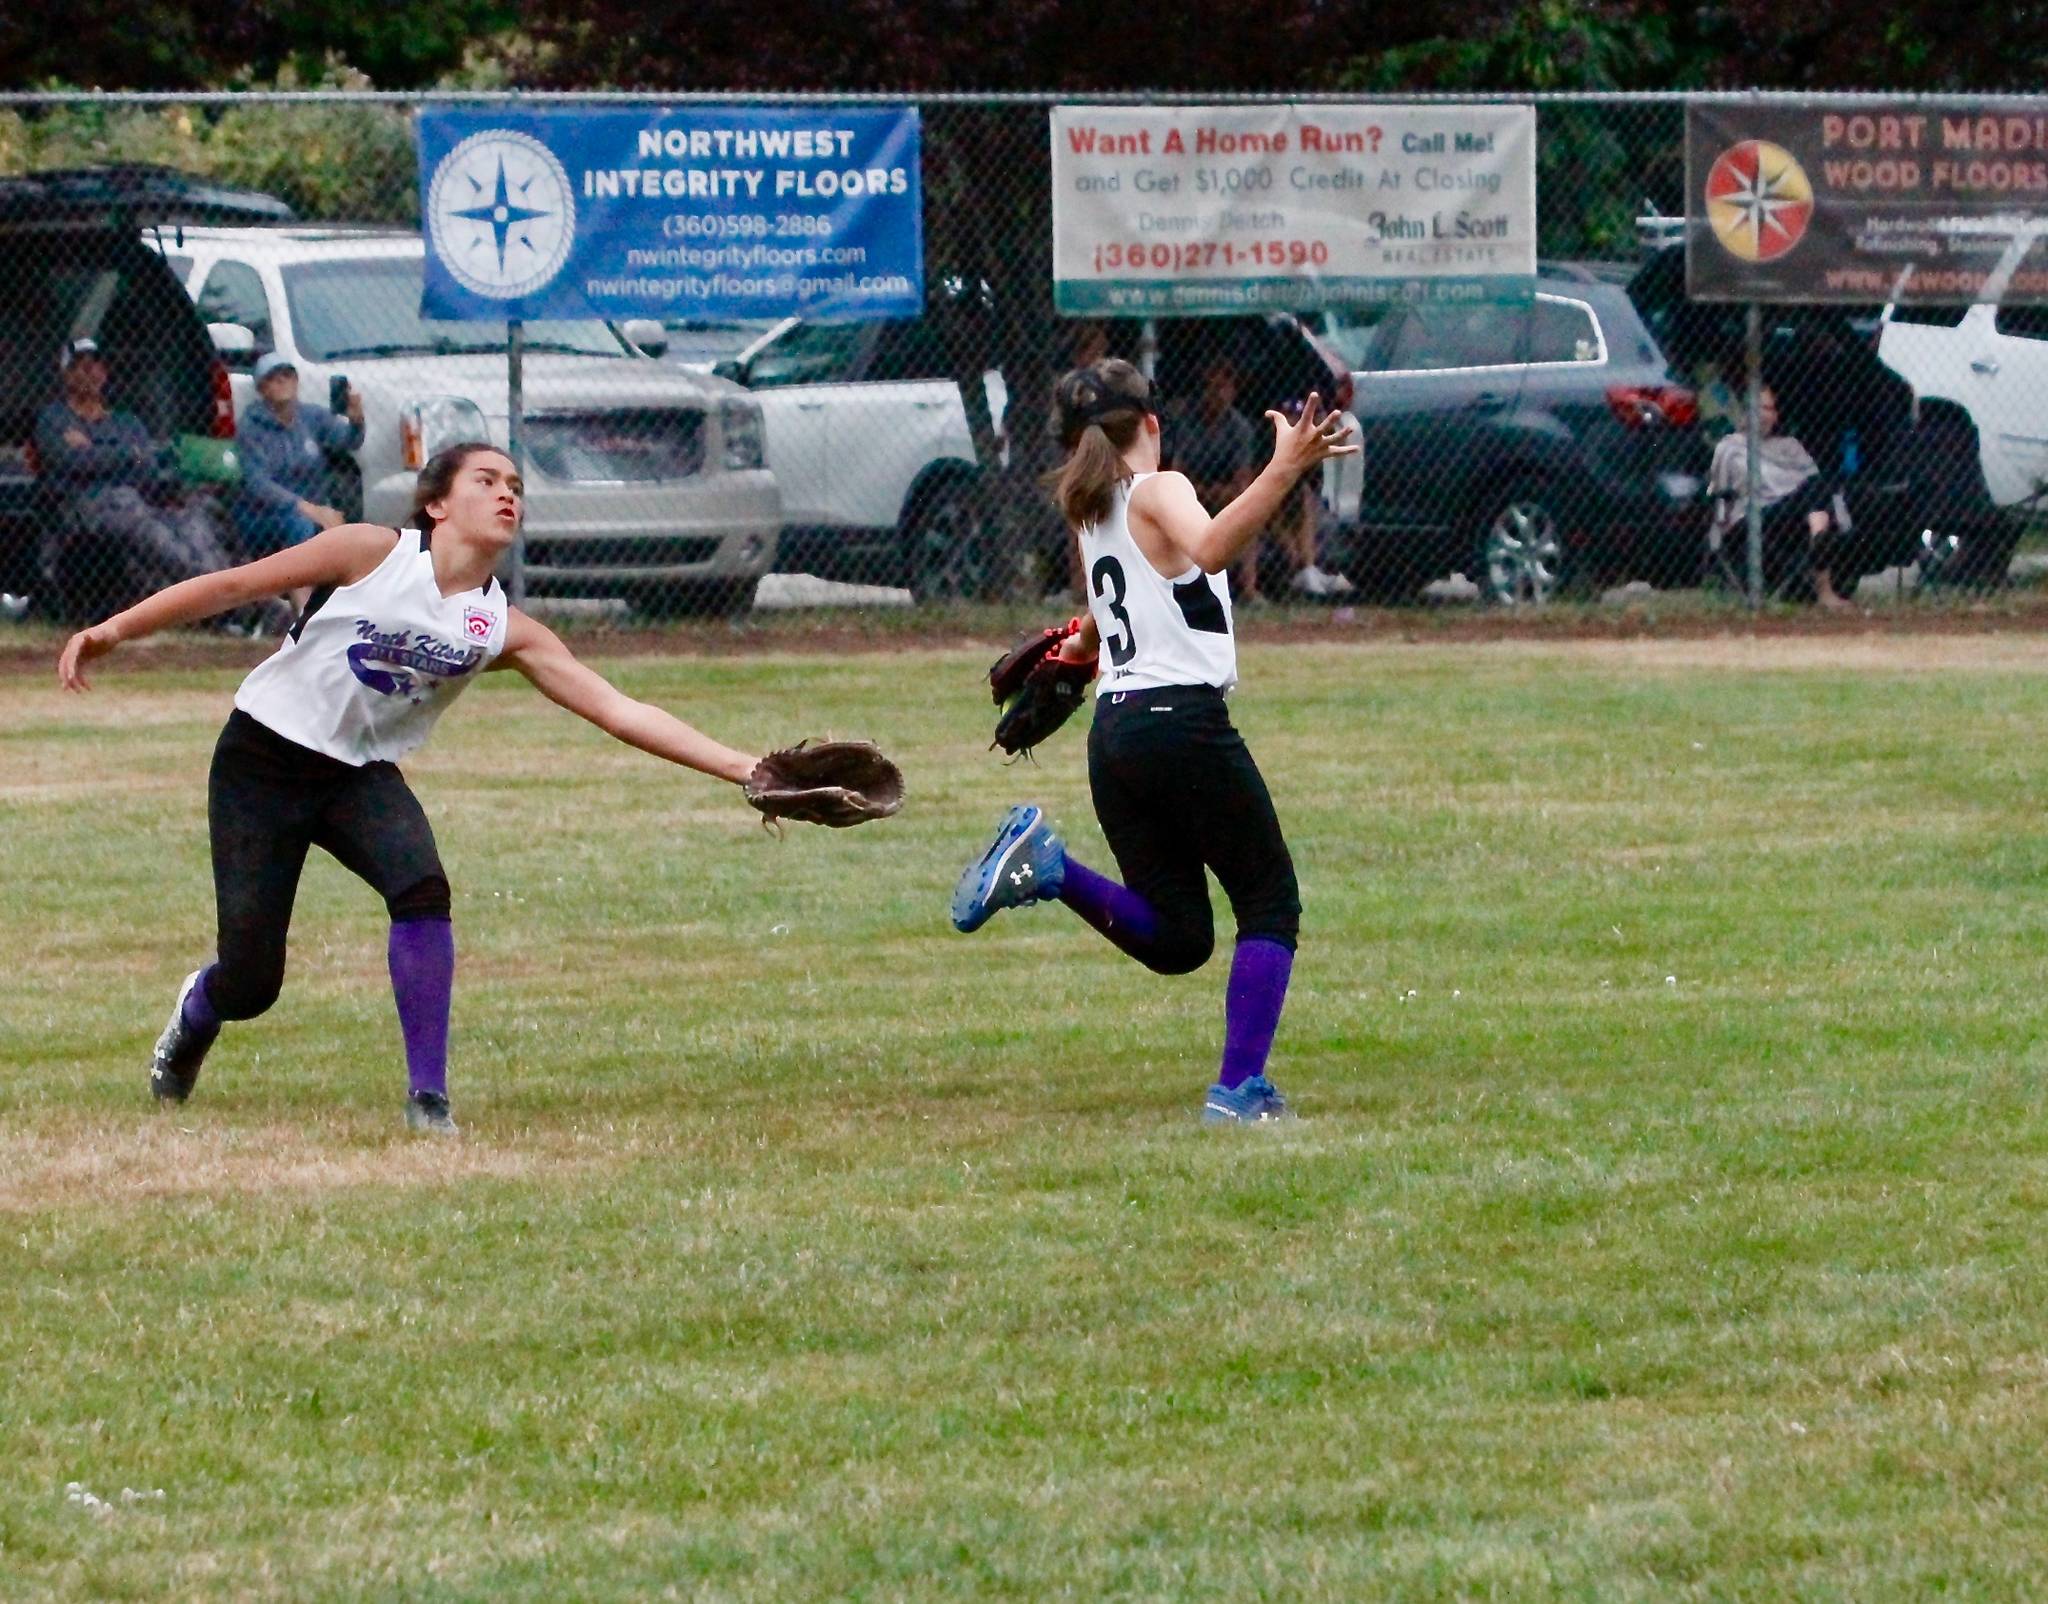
(1175, 788)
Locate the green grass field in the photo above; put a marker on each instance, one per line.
(1664, 1223)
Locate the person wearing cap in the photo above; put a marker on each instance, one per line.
(285, 442)
(118, 508)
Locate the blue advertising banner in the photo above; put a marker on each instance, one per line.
(663, 212)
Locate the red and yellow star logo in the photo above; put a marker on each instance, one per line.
(1759, 200)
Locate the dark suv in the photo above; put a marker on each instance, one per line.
(81, 255)
(1526, 446)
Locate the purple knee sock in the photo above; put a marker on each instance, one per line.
(199, 1014)
(422, 976)
(1251, 1008)
(1117, 911)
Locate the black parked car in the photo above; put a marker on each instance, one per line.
(1526, 446)
(1909, 474)
(81, 255)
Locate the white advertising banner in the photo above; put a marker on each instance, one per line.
(1196, 210)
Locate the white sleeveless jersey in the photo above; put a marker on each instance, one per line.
(1155, 631)
(369, 666)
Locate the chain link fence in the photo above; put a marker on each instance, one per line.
(1513, 454)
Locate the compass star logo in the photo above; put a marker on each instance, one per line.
(501, 214)
(1759, 200)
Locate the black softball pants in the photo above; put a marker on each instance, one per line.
(268, 800)
(1177, 793)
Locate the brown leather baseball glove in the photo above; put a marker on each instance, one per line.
(835, 783)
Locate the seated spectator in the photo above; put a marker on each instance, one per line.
(1296, 533)
(1214, 444)
(1220, 450)
(1087, 344)
(116, 504)
(285, 478)
(1280, 378)
(1798, 503)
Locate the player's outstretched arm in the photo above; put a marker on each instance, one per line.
(538, 653)
(1168, 502)
(338, 556)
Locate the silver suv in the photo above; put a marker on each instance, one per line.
(648, 481)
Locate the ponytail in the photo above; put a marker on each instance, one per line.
(1099, 410)
(1085, 484)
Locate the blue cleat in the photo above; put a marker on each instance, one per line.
(1254, 1102)
(1024, 863)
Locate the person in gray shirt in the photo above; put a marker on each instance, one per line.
(1218, 448)
(285, 476)
(1214, 444)
(1796, 499)
(116, 506)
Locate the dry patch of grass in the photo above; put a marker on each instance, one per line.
(113, 1163)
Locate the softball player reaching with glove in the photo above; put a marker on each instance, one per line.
(398, 623)
(1175, 789)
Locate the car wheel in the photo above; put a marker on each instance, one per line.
(1520, 557)
(945, 557)
(695, 598)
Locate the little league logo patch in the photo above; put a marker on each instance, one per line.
(410, 663)
(476, 623)
(1759, 200)
(502, 214)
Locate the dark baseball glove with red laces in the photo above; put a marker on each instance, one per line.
(1037, 689)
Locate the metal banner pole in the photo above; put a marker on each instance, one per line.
(1753, 512)
(515, 447)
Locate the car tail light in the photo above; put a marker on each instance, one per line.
(1653, 406)
(223, 427)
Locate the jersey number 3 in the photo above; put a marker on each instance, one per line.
(1107, 576)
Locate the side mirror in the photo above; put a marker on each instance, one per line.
(730, 368)
(234, 344)
(647, 334)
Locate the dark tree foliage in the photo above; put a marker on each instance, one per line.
(160, 44)
(1916, 45)
(932, 45)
